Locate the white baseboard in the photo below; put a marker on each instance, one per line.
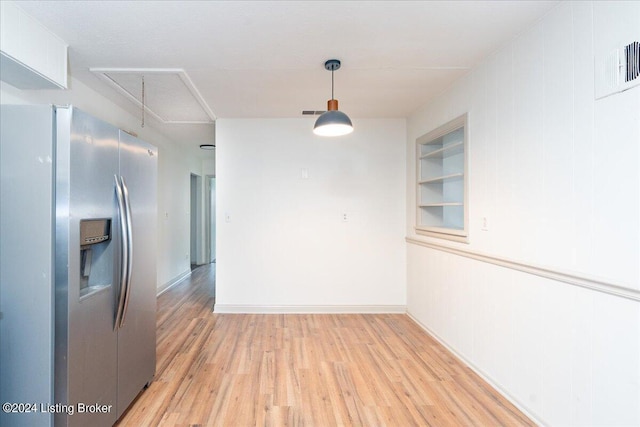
(481, 374)
(308, 309)
(171, 283)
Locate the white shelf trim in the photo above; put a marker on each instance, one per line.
(443, 150)
(441, 178)
(571, 278)
(431, 205)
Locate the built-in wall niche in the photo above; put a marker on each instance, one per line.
(442, 181)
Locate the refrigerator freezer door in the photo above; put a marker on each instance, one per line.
(86, 343)
(137, 336)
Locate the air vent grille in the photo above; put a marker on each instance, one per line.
(617, 70)
(312, 112)
(632, 54)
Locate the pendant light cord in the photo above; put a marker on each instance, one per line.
(331, 83)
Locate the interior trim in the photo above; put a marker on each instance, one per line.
(173, 282)
(587, 282)
(309, 309)
(103, 74)
(496, 385)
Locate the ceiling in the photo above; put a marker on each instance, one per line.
(250, 59)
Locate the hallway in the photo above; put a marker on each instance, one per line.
(312, 369)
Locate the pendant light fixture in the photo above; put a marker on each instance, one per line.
(333, 122)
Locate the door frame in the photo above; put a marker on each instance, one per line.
(195, 219)
(210, 217)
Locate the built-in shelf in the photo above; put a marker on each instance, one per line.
(439, 179)
(442, 181)
(449, 150)
(433, 205)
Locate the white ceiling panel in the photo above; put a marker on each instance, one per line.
(265, 58)
(169, 95)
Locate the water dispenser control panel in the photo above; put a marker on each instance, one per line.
(94, 231)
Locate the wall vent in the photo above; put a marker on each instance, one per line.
(312, 112)
(618, 70)
(632, 57)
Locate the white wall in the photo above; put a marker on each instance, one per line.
(174, 168)
(557, 176)
(174, 217)
(209, 165)
(285, 245)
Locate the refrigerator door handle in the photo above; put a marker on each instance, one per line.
(127, 209)
(124, 254)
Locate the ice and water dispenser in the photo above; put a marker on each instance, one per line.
(96, 260)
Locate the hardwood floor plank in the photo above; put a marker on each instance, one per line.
(304, 370)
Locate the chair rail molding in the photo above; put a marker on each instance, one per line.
(571, 278)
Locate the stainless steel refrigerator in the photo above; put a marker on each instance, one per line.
(77, 267)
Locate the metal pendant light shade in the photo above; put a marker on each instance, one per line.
(333, 122)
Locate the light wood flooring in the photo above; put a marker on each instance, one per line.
(314, 370)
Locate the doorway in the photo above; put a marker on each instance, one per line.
(196, 220)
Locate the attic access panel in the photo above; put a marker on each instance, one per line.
(170, 95)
